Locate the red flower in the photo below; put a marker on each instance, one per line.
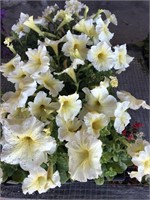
(124, 132)
(137, 125)
(131, 137)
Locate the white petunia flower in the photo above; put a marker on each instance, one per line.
(84, 157)
(100, 101)
(75, 47)
(142, 161)
(20, 29)
(134, 103)
(101, 56)
(49, 82)
(69, 106)
(38, 60)
(74, 6)
(40, 180)
(95, 122)
(103, 31)
(87, 27)
(67, 129)
(49, 10)
(122, 118)
(121, 58)
(18, 74)
(10, 67)
(17, 99)
(25, 143)
(41, 107)
(54, 44)
(111, 17)
(30, 23)
(35, 181)
(64, 16)
(135, 148)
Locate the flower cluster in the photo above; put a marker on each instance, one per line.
(64, 121)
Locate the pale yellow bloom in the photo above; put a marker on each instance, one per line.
(20, 28)
(74, 6)
(87, 27)
(75, 47)
(41, 106)
(121, 58)
(103, 31)
(67, 129)
(100, 56)
(69, 106)
(99, 100)
(95, 122)
(38, 62)
(49, 82)
(113, 81)
(25, 144)
(31, 24)
(142, 161)
(64, 16)
(134, 103)
(10, 66)
(40, 180)
(122, 118)
(135, 148)
(84, 157)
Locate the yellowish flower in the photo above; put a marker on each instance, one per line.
(134, 103)
(95, 122)
(142, 161)
(64, 16)
(25, 144)
(100, 56)
(87, 27)
(113, 81)
(135, 148)
(122, 118)
(49, 82)
(121, 58)
(100, 101)
(69, 106)
(38, 60)
(40, 180)
(68, 128)
(20, 29)
(102, 30)
(10, 67)
(84, 157)
(75, 47)
(41, 107)
(31, 24)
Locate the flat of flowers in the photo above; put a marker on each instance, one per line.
(79, 190)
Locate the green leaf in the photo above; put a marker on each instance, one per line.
(19, 176)
(62, 162)
(8, 170)
(100, 180)
(64, 177)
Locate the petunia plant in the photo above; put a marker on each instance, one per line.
(64, 121)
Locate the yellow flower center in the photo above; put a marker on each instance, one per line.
(96, 125)
(27, 140)
(101, 56)
(40, 180)
(76, 46)
(11, 67)
(147, 164)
